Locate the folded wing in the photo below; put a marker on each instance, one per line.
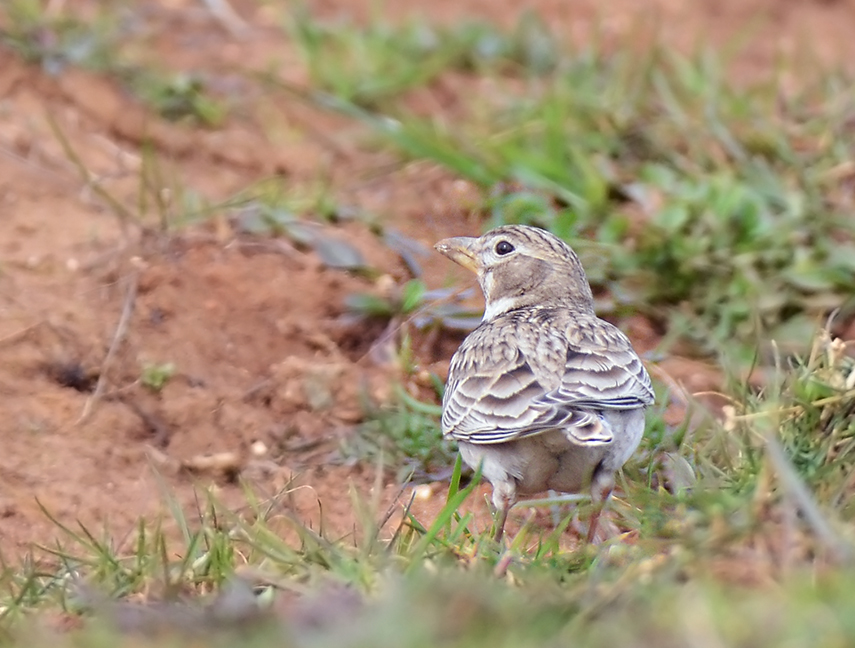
(495, 397)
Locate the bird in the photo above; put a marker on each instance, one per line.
(543, 394)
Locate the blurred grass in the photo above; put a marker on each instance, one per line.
(720, 210)
(373, 65)
(54, 38)
(466, 610)
(704, 217)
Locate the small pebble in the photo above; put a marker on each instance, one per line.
(385, 284)
(258, 448)
(423, 492)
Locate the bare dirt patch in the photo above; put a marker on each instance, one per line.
(257, 377)
(258, 351)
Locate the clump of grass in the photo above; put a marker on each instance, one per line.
(56, 40)
(366, 66)
(404, 434)
(400, 303)
(707, 213)
(808, 406)
(413, 304)
(735, 255)
(530, 48)
(178, 97)
(778, 466)
(369, 66)
(163, 204)
(60, 40)
(154, 376)
(276, 202)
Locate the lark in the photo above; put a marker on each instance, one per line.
(543, 395)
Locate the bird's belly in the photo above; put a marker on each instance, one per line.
(537, 463)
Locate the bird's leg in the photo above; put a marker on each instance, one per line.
(554, 508)
(504, 496)
(602, 486)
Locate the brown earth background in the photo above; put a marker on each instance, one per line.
(252, 327)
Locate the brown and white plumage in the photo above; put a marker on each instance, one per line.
(543, 394)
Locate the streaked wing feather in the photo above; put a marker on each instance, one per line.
(613, 380)
(503, 403)
(494, 395)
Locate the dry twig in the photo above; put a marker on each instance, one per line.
(118, 338)
(224, 14)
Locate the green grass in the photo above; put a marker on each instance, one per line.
(404, 434)
(154, 376)
(695, 553)
(720, 211)
(371, 66)
(60, 39)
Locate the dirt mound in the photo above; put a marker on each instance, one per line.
(227, 351)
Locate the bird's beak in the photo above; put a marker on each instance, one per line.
(460, 249)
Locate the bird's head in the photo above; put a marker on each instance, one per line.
(519, 266)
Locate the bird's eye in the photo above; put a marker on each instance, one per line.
(503, 247)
